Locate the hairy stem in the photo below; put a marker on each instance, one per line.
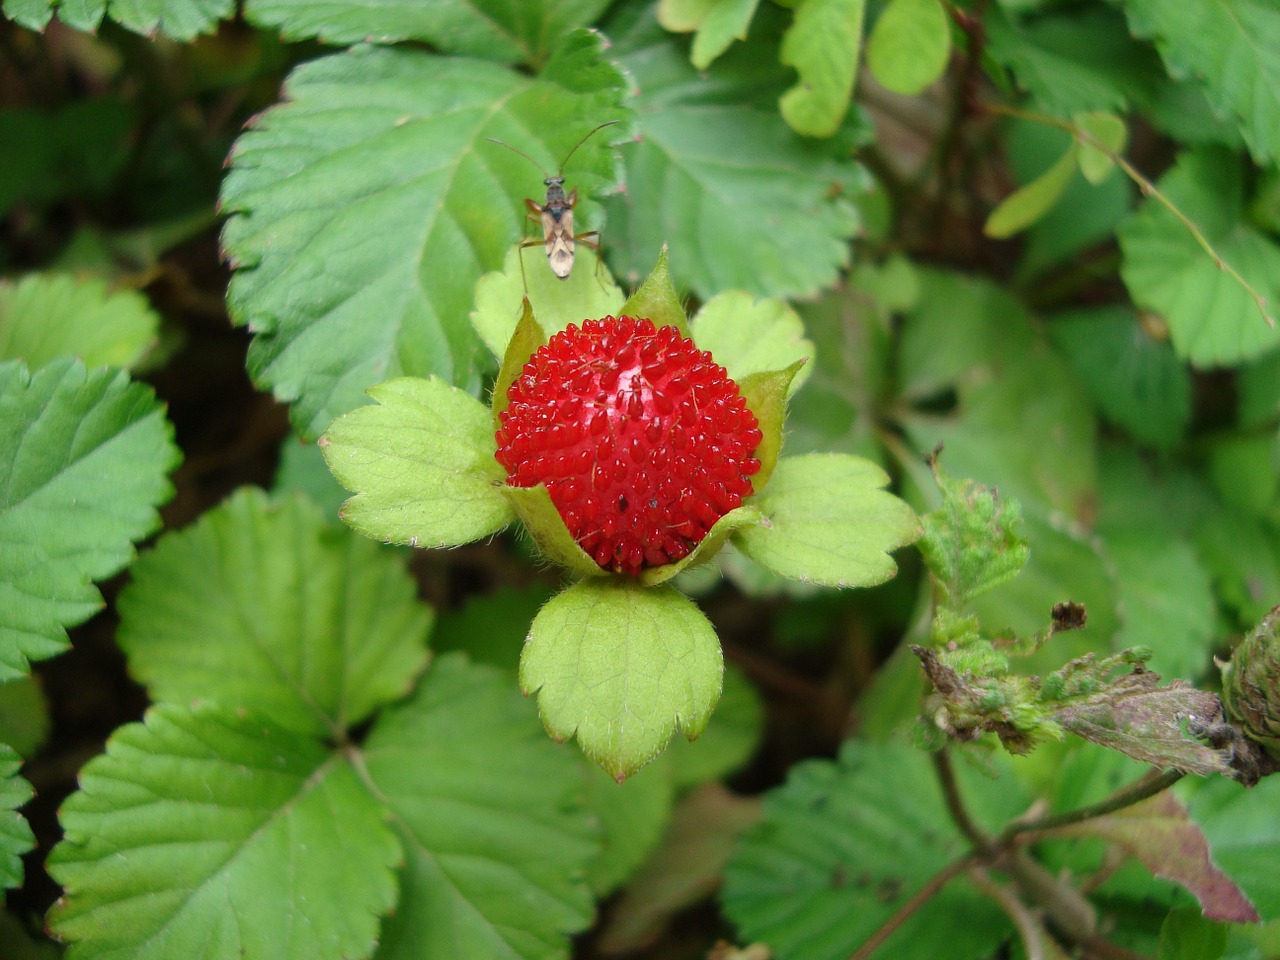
(918, 900)
(1146, 786)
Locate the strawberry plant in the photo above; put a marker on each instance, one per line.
(871, 549)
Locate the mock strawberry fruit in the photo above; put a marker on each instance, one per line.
(641, 439)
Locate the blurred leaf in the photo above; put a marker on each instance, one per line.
(1021, 423)
(910, 45)
(1243, 839)
(684, 869)
(632, 816)
(1258, 389)
(843, 845)
(1243, 469)
(24, 715)
(491, 628)
(1028, 204)
(263, 605)
(509, 31)
(488, 870)
(717, 22)
(44, 316)
(179, 19)
(1212, 319)
(622, 668)
(16, 837)
(1189, 935)
(747, 335)
(20, 944)
(1229, 46)
(264, 820)
(302, 469)
(394, 138)
(73, 151)
(1242, 553)
(1135, 381)
(588, 293)
(85, 455)
(420, 462)
(828, 521)
(741, 201)
(1073, 60)
(730, 739)
(1111, 135)
(823, 45)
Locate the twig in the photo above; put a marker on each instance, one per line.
(1029, 928)
(1148, 189)
(1144, 787)
(918, 899)
(955, 804)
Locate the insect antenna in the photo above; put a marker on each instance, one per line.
(521, 152)
(591, 133)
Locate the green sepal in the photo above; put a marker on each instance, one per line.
(827, 521)
(622, 667)
(420, 462)
(657, 300)
(541, 518)
(1107, 138)
(1029, 203)
(766, 396)
(707, 548)
(525, 341)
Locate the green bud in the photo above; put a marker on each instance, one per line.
(1251, 684)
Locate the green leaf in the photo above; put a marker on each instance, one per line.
(844, 845)
(910, 45)
(1229, 45)
(632, 816)
(1242, 553)
(589, 293)
(1243, 469)
(1159, 833)
(725, 184)
(823, 45)
(394, 138)
(1212, 318)
(685, 868)
(85, 456)
(488, 871)
(542, 519)
(44, 316)
(1028, 204)
(1135, 381)
(265, 606)
(1187, 935)
(490, 628)
(1110, 135)
(1241, 826)
(657, 300)
(24, 715)
(16, 837)
(263, 820)
(717, 22)
(753, 335)
(729, 740)
(827, 521)
(622, 667)
(972, 543)
(301, 469)
(179, 19)
(503, 30)
(421, 464)
(1073, 60)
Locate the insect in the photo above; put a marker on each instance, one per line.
(556, 214)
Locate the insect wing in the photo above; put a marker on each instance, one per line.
(559, 240)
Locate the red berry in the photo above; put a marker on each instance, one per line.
(642, 440)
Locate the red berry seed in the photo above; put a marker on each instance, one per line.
(642, 440)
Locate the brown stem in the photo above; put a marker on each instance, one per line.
(955, 804)
(1146, 786)
(918, 900)
(1029, 928)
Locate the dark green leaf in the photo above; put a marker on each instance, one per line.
(180, 19)
(263, 820)
(265, 606)
(302, 469)
(843, 845)
(729, 740)
(1189, 935)
(85, 456)
(632, 816)
(1243, 840)
(490, 820)
(367, 205)
(491, 628)
(16, 837)
(504, 30)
